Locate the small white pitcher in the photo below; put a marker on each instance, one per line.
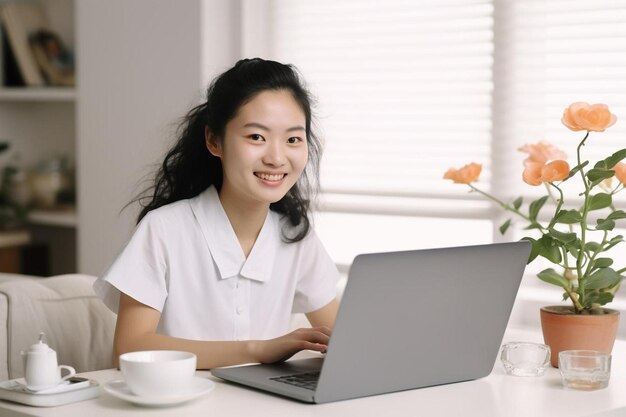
(41, 370)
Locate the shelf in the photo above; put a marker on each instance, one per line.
(53, 218)
(34, 94)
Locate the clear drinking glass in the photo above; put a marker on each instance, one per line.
(585, 369)
(525, 358)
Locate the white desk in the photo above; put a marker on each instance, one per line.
(496, 395)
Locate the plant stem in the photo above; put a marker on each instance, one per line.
(582, 174)
(502, 204)
(593, 257)
(547, 185)
(583, 229)
(577, 305)
(559, 204)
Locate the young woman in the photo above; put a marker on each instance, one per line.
(224, 252)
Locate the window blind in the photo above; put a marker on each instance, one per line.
(404, 90)
(407, 89)
(550, 54)
(547, 55)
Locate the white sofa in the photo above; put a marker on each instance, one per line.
(75, 322)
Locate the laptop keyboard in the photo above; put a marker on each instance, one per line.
(306, 380)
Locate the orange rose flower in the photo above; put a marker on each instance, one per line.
(532, 173)
(469, 173)
(555, 171)
(590, 117)
(620, 172)
(541, 152)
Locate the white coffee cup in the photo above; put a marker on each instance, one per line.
(41, 369)
(156, 373)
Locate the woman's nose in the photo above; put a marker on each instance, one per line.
(274, 155)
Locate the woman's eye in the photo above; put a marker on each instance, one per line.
(294, 139)
(256, 137)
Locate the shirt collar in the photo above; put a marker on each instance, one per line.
(223, 243)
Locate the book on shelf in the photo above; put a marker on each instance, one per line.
(32, 48)
(9, 71)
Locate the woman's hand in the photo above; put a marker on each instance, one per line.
(284, 347)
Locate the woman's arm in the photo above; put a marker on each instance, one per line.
(136, 330)
(325, 316)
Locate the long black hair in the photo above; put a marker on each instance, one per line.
(189, 168)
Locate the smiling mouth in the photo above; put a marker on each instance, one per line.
(270, 177)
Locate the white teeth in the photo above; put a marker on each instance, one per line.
(268, 177)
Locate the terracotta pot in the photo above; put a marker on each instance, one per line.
(564, 330)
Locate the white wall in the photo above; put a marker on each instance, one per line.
(142, 65)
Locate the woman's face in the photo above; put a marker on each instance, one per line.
(264, 149)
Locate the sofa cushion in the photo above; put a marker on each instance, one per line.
(77, 325)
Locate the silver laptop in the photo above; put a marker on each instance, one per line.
(407, 320)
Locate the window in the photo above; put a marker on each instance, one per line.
(407, 89)
(404, 92)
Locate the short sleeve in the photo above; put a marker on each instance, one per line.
(317, 283)
(140, 269)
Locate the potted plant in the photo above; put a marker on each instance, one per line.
(577, 234)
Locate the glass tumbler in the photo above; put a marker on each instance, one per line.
(525, 358)
(585, 369)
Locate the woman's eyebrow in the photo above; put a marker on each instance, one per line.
(263, 127)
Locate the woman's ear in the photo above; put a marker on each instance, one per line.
(212, 143)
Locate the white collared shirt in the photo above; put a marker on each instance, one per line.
(185, 261)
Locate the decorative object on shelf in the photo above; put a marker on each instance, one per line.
(19, 21)
(52, 185)
(35, 55)
(579, 232)
(54, 60)
(12, 214)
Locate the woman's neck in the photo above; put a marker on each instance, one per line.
(246, 218)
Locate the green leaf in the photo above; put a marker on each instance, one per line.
(600, 201)
(552, 277)
(598, 298)
(505, 226)
(518, 203)
(598, 174)
(577, 168)
(574, 250)
(565, 238)
(603, 278)
(592, 246)
(617, 239)
(535, 206)
(605, 224)
(615, 158)
(568, 217)
(617, 214)
(603, 262)
(534, 249)
(550, 249)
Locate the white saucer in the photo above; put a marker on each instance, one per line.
(119, 389)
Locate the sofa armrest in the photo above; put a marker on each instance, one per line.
(77, 325)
